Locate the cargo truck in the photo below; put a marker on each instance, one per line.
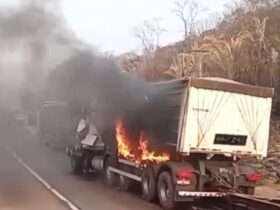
(212, 125)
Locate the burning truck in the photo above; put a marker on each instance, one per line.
(185, 141)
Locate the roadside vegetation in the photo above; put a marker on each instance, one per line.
(243, 45)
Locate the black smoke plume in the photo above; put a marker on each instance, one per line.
(97, 83)
(30, 33)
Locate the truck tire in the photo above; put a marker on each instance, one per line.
(165, 190)
(148, 185)
(76, 165)
(124, 183)
(247, 190)
(85, 167)
(110, 177)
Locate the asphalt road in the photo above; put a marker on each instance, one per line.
(20, 190)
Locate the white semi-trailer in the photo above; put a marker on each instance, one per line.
(216, 124)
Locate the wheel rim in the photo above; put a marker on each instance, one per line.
(146, 185)
(164, 191)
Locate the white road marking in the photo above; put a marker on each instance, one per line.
(71, 205)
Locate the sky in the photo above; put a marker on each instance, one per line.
(108, 24)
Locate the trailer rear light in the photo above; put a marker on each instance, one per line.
(184, 177)
(253, 177)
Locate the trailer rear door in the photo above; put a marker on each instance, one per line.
(222, 117)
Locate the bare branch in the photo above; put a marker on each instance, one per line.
(187, 11)
(149, 34)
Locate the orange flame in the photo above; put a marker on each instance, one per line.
(123, 145)
(125, 150)
(148, 155)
